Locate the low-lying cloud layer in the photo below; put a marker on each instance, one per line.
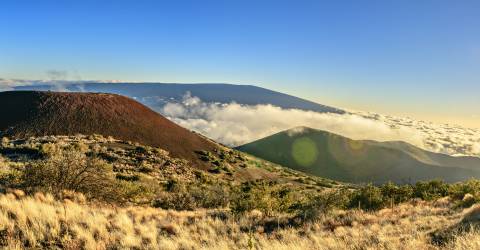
(10, 84)
(444, 138)
(56, 81)
(234, 124)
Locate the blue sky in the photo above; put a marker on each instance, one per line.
(415, 58)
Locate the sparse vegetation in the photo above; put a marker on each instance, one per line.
(51, 181)
(70, 169)
(40, 221)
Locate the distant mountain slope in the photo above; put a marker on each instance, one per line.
(332, 156)
(156, 95)
(431, 158)
(27, 113)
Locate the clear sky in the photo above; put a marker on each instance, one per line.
(418, 58)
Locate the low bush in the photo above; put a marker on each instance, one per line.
(137, 192)
(267, 197)
(69, 169)
(459, 190)
(182, 196)
(138, 173)
(320, 204)
(368, 197)
(127, 177)
(396, 194)
(466, 193)
(431, 190)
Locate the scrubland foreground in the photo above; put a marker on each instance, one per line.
(91, 192)
(40, 221)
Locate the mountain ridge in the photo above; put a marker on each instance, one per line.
(340, 158)
(208, 92)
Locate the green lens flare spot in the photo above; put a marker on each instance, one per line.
(304, 151)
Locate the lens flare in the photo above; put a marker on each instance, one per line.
(304, 151)
(347, 152)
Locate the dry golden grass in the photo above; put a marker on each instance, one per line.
(42, 222)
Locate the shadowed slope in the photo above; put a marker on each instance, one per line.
(332, 156)
(27, 113)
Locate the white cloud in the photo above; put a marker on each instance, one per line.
(443, 138)
(57, 85)
(57, 82)
(9, 84)
(234, 124)
(296, 131)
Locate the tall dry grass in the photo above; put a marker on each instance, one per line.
(40, 221)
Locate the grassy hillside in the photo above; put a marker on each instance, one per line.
(40, 221)
(145, 174)
(92, 192)
(335, 157)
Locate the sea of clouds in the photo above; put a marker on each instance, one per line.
(235, 124)
(56, 81)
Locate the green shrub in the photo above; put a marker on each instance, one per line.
(67, 169)
(459, 190)
(205, 156)
(127, 177)
(10, 178)
(466, 193)
(368, 197)
(210, 196)
(244, 199)
(176, 201)
(431, 190)
(268, 197)
(136, 191)
(323, 203)
(396, 194)
(191, 196)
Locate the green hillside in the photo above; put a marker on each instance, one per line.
(336, 157)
